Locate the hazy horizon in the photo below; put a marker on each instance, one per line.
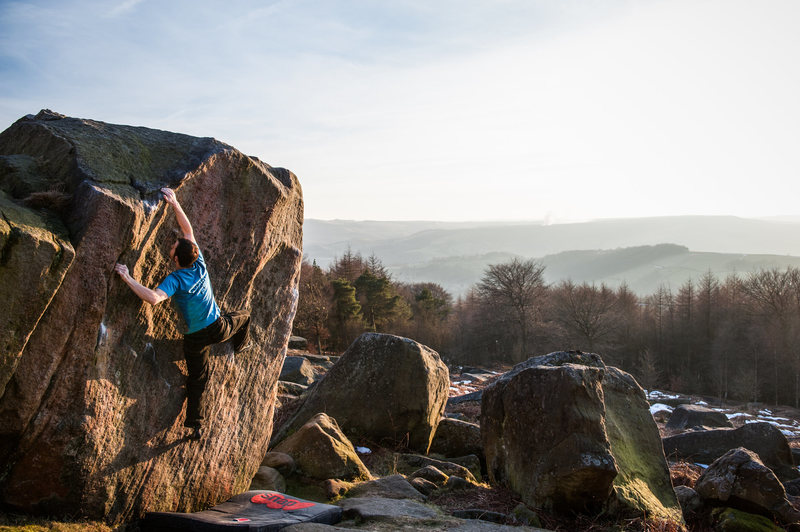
(772, 218)
(453, 110)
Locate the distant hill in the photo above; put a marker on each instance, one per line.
(611, 251)
(642, 268)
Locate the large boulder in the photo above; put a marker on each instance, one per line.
(384, 388)
(738, 479)
(92, 411)
(322, 451)
(576, 436)
(687, 416)
(705, 446)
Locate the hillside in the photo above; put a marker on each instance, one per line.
(610, 251)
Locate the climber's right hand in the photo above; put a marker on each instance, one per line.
(121, 269)
(169, 196)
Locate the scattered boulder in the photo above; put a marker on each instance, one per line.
(91, 412)
(705, 446)
(297, 369)
(732, 520)
(526, 516)
(385, 388)
(473, 377)
(792, 487)
(284, 463)
(319, 359)
(298, 342)
(336, 488)
(596, 444)
(408, 463)
(689, 500)
(431, 474)
(472, 463)
(268, 478)
(426, 487)
(795, 456)
(372, 508)
(740, 480)
(466, 398)
(673, 402)
(321, 451)
(457, 438)
(687, 416)
(456, 483)
(291, 388)
(391, 487)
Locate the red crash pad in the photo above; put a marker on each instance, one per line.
(256, 511)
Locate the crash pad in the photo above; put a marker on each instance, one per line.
(256, 511)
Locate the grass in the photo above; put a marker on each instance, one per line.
(27, 523)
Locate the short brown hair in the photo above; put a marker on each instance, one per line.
(187, 252)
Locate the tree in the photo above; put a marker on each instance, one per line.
(348, 267)
(516, 287)
(346, 310)
(585, 311)
(771, 298)
(375, 266)
(431, 308)
(379, 301)
(313, 303)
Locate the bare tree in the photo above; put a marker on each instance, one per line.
(516, 287)
(588, 312)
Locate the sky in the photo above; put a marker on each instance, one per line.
(447, 110)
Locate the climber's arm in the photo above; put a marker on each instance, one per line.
(147, 295)
(180, 216)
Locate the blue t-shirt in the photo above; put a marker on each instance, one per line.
(193, 295)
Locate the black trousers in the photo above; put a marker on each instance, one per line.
(235, 327)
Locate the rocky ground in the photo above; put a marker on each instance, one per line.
(479, 506)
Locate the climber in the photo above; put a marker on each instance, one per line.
(205, 325)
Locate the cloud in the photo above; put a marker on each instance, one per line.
(461, 109)
(124, 7)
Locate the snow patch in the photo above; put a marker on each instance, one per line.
(660, 407)
(655, 394)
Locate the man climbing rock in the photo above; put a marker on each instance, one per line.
(190, 285)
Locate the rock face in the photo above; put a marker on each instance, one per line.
(739, 479)
(383, 387)
(92, 379)
(321, 451)
(687, 416)
(576, 436)
(705, 446)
